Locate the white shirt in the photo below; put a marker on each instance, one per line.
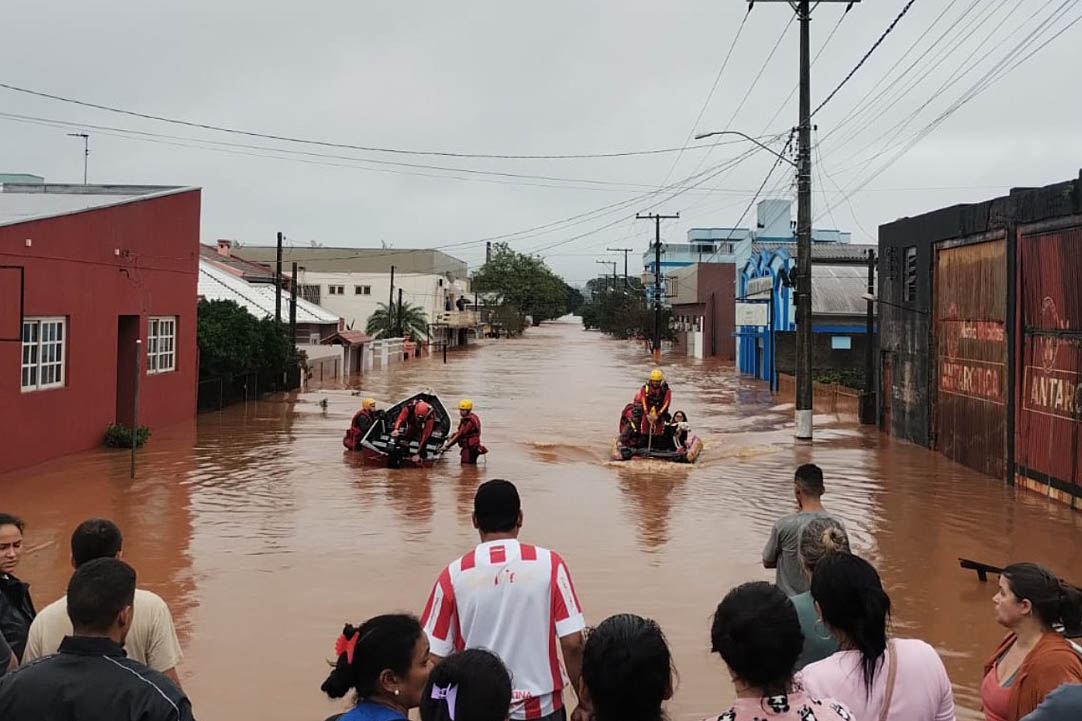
(515, 600)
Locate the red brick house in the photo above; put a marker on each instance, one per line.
(85, 273)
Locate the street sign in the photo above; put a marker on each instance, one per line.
(752, 313)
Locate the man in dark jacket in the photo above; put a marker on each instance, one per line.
(16, 608)
(90, 677)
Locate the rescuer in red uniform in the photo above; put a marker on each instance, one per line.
(655, 398)
(468, 435)
(415, 421)
(362, 421)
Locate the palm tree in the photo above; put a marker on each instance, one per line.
(384, 324)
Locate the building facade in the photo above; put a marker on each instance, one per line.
(702, 310)
(839, 282)
(352, 282)
(95, 280)
(981, 335)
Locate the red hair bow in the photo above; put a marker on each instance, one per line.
(346, 645)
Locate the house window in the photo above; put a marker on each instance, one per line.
(310, 293)
(841, 342)
(43, 353)
(910, 289)
(362, 290)
(162, 344)
(336, 290)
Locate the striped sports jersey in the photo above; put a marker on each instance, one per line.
(515, 600)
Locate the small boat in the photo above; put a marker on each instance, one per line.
(379, 449)
(662, 445)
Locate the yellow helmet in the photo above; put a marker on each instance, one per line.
(657, 375)
(368, 404)
(465, 405)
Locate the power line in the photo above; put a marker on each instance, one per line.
(330, 144)
(866, 56)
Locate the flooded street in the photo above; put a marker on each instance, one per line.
(264, 536)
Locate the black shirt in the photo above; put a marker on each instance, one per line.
(16, 613)
(90, 679)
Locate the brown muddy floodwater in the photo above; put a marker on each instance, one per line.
(264, 536)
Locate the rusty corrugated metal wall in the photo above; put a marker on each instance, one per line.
(1047, 434)
(970, 313)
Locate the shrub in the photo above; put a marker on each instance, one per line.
(118, 435)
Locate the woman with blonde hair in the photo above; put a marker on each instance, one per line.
(820, 538)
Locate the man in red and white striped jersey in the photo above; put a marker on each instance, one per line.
(514, 599)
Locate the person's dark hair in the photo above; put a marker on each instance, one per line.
(1053, 600)
(95, 538)
(757, 632)
(382, 642)
(810, 479)
(627, 667)
(680, 413)
(482, 688)
(97, 592)
(821, 537)
(496, 506)
(6, 519)
(852, 600)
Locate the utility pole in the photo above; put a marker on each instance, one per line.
(401, 330)
(657, 218)
(86, 151)
(868, 405)
(804, 224)
(390, 305)
(625, 251)
(488, 251)
(613, 264)
(293, 305)
(278, 283)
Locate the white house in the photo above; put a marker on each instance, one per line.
(351, 282)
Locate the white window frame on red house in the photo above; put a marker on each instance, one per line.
(161, 346)
(43, 353)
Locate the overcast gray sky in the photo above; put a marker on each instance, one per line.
(560, 77)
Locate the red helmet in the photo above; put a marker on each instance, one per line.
(421, 409)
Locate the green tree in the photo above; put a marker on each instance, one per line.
(525, 283)
(622, 311)
(383, 324)
(232, 341)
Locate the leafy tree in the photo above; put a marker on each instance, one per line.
(388, 324)
(575, 300)
(525, 283)
(622, 311)
(232, 341)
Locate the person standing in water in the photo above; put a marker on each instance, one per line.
(468, 435)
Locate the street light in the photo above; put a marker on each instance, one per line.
(747, 137)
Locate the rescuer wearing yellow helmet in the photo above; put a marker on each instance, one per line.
(655, 398)
(362, 421)
(468, 435)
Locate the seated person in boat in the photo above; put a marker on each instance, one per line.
(415, 423)
(468, 435)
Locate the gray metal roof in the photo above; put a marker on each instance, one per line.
(21, 203)
(838, 289)
(218, 284)
(822, 251)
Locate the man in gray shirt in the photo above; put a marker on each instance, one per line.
(781, 550)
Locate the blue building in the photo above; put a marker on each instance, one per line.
(839, 281)
(774, 224)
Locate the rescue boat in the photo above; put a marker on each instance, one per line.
(659, 446)
(379, 449)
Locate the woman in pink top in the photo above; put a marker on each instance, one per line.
(902, 679)
(757, 632)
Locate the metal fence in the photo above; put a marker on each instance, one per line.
(215, 394)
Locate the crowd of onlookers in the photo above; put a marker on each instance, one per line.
(503, 635)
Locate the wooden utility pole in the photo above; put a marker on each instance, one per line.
(613, 264)
(625, 251)
(657, 218)
(804, 224)
(390, 306)
(278, 283)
